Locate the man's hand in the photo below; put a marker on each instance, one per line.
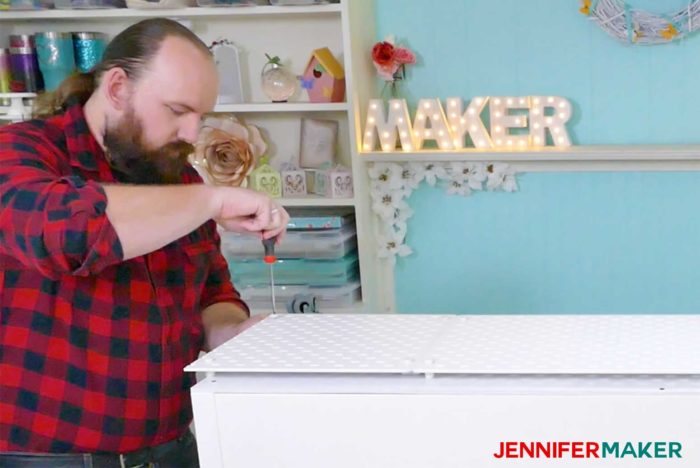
(223, 321)
(248, 211)
(220, 334)
(148, 217)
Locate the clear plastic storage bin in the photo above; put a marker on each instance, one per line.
(333, 297)
(25, 4)
(295, 271)
(328, 244)
(298, 2)
(156, 4)
(225, 3)
(88, 4)
(319, 218)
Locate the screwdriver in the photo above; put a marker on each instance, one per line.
(270, 259)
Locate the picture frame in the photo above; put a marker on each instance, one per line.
(317, 143)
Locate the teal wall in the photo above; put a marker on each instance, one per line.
(619, 242)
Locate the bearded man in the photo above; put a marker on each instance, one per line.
(111, 278)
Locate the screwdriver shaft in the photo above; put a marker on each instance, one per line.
(272, 290)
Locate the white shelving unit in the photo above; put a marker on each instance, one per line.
(133, 13)
(264, 107)
(291, 32)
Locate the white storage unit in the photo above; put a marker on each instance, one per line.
(446, 391)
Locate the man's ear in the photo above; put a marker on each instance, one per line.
(116, 88)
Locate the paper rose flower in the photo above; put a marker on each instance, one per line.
(227, 151)
(390, 60)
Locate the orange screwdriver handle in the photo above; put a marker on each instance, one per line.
(269, 245)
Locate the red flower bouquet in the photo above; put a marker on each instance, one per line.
(390, 61)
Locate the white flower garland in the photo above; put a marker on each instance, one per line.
(392, 183)
(630, 25)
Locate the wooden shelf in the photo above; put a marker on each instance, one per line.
(253, 107)
(116, 13)
(316, 200)
(575, 153)
(575, 159)
(271, 107)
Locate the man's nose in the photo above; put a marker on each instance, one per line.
(189, 130)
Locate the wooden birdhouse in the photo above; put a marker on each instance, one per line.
(324, 78)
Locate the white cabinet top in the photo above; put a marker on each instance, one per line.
(463, 344)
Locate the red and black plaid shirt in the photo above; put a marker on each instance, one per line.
(91, 347)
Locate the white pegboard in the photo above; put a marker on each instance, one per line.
(326, 343)
(437, 344)
(568, 344)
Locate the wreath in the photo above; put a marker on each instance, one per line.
(635, 26)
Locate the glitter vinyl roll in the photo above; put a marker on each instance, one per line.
(56, 57)
(89, 47)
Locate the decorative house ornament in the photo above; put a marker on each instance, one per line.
(293, 181)
(266, 179)
(634, 26)
(391, 184)
(320, 180)
(334, 182)
(339, 182)
(536, 121)
(324, 77)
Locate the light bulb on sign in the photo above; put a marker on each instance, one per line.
(439, 126)
(469, 122)
(502, 120)
(554, 124)
(387, 127)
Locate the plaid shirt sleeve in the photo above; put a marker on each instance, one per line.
(218, 286)
(50, 221)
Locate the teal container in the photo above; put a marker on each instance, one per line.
(295, 271)
(56, 58)
(88, 49)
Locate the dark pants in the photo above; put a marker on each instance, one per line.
(180, 453)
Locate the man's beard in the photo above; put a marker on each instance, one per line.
(134, 163)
